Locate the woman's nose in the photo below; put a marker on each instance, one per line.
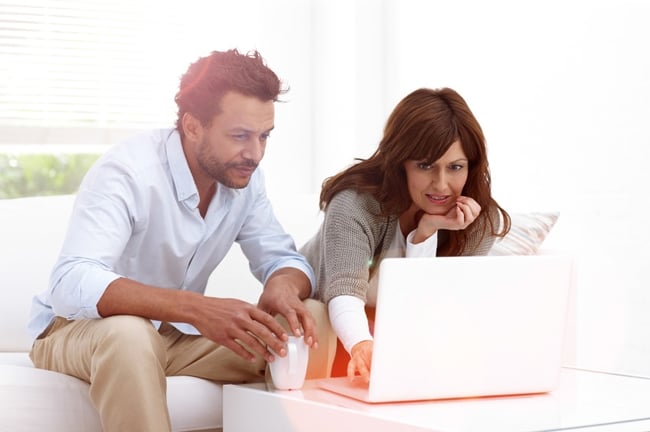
(438, 177)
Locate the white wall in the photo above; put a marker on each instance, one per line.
(562, 90)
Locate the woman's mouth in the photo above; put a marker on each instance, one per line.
(438, 199)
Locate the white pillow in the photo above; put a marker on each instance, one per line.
(526, 235)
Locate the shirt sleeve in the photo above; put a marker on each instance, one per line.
(427, 248)
(267, 246)
(85, 268)
(349, 320)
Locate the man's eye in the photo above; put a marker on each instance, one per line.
(240, 137)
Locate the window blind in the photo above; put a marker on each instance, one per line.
(92, 63)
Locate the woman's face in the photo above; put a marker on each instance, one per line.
(435, 186)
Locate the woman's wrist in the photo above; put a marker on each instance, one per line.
(349, 321)
(422, 235)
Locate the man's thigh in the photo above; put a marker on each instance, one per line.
(200, 357)
(69, 346)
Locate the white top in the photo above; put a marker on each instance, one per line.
(347, 313)
(136, 215)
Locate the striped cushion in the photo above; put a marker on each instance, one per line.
(527, 233)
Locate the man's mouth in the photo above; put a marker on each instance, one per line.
(245, 170)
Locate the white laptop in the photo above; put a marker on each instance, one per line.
(458, 327)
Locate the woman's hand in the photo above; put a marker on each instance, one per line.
(360, 359)
(459, 217)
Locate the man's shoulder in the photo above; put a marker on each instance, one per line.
(144, 141)
(141, 149)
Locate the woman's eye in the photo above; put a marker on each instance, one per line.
(456, 167)
(424, 165)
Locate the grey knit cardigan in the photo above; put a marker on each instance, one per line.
(351, 242)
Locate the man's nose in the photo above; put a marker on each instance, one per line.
(254, 150)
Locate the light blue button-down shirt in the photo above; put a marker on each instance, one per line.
(136, 216)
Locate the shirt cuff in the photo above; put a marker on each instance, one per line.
(88, 288)
(349, 321)
(303, 267)
(426, 248)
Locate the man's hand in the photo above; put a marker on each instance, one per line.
(283, 295)
(360, 359)
(242, 327)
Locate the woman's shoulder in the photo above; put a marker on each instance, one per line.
(362, 210)
(352, 200)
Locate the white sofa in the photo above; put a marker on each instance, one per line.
(31, 232)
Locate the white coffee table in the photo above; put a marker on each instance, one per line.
(588, 401)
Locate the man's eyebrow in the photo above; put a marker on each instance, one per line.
(249, 131)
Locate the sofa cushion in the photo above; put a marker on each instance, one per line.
(527, 233)
(31, 233)
(39, 400)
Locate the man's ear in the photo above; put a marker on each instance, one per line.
(192, 127)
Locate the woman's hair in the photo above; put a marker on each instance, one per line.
(422, 127)
(209, 78)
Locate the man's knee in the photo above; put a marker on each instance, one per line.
(127, 327)
(321, 359)
(131, 338)
(318, 310)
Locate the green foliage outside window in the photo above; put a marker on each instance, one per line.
(23, 175)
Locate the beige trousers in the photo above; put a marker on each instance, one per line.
(126, 360)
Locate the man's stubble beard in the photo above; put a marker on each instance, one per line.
(219, 171)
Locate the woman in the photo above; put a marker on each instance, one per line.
(424, 192)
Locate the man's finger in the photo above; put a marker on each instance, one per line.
(293, 322)
(270, 323)
(238, 349)
(309, 328)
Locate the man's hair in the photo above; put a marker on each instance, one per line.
(422, 127)
(209, 78)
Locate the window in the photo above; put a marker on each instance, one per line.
(78, 75)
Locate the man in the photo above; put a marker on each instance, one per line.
(152, 219)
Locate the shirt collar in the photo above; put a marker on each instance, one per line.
(180, 170)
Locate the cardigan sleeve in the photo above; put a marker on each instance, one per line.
(342, 251)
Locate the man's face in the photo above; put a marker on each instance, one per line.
(234, 143)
